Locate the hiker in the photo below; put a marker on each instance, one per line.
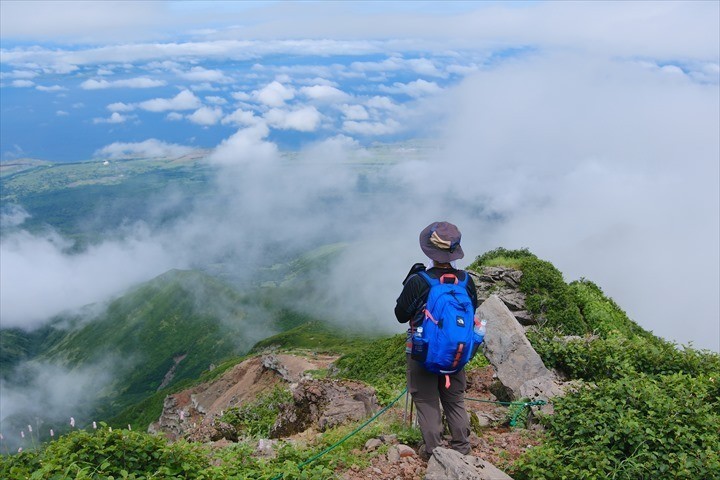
(440, 241)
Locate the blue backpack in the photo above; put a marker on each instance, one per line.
(447, 341)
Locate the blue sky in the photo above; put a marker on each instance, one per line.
(80, 76)
(586, 131)
(197, 102)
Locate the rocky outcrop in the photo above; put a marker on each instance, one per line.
(194, 413)
(504, 282)
(446, 464)
(322, 404)
(518, 366)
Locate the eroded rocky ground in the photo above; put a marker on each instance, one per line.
(496, 442)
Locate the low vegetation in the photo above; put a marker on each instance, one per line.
(646, 408)
(123, 454)
(642, 408)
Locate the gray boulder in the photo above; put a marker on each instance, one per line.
(446, 464)
(518, 366)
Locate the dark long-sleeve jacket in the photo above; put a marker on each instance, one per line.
(410, 304)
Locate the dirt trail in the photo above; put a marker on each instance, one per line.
(499, 445)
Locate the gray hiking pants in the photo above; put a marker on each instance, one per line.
(428, 392)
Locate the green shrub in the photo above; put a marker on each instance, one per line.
(491, 257)
(638, 427)
(381, 365)
(602, 315)
(104, 453)
(256, 418)
(547, 294)
(617, 356)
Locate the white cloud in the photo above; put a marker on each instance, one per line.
(12, 215)
(600, 167)
(185, 100)
(204, 87)
(325, 93)
(382, 103)
(306, 119)
(387, 127)
(274, 94)
(139, 82)
(22, 83)
(421, 66)
(418, 88)
(354, 112)
(151, 148)
(424, 66)
(206, 116)
(462, 69)
(240, 117)
(174, 116)
(20, 74)
(120, 107)
(389, 64)
(68, 281)
(51, 88)
(619, 29)
(316, 81)
(61, 113)
(247, 145)
(241, 96)
(200, 74)
(215, 100)
(115, 117)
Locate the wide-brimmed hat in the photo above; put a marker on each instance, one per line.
(441, 242)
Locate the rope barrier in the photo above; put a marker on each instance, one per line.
(342, 440)
(522, 405)
(332, 447)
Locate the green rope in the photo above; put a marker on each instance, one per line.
(346, 437)
(492, 401)
(522, 406)
(371, 419)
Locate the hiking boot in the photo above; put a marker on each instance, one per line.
(423, 454)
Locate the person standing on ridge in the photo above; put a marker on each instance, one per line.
(440, 241)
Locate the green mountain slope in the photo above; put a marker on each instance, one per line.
(642, 407)
(163, 332)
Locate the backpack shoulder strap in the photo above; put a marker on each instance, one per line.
(430, 280)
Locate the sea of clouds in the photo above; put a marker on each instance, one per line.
(586, 132)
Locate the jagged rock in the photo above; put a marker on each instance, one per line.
(405, 451)
(373, 444)
(503, 282)
(447, 464)
(393, 454)
(197, 408)
(518, 366)
(515, 301)
(525, 318)
(224, 430)
(324, 403)
(486, 419)
(266, 448)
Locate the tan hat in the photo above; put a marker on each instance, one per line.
(440, 241)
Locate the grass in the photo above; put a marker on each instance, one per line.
(315, 336)
(503, 261)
